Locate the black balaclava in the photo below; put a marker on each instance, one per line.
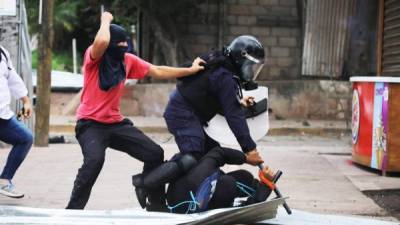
(112, 66)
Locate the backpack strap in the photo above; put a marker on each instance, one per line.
(5, 56)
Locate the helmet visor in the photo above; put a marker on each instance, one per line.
(250, 69)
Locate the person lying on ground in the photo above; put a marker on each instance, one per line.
(197, 99)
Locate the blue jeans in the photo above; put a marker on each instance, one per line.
(15, 133)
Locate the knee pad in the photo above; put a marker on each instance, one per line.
(169, 171)
(161, 175)
(186, 162)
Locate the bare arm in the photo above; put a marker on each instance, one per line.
(27, 106)
(253, 158)
(167, 72)
(102, 38)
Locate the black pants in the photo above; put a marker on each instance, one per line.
(94, 138)
(226, 189)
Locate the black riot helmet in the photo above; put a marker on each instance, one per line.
(248, 55)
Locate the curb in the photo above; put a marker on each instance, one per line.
(283, 131)
(70, 129)
(316, 131)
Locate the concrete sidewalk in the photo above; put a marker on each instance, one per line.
(318, 176)
(325, 128)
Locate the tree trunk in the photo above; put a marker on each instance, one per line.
(44, 76)
(169, 46)
(166, 34)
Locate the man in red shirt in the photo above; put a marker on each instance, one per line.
(100, 124)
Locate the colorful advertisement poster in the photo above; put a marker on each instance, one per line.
(380, 125)
(355, 119)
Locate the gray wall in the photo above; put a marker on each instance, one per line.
(275, 22)
(278, 25)
(9, 36)
(297, 99)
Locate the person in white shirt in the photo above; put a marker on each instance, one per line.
(12, 131)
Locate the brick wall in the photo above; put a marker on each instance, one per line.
(297, 99)
(274, 22)
(9, 36)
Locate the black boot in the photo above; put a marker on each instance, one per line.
(151, 187)
(156, 200)
(169, 171)
(140, 190)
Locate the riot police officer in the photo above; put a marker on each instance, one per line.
(197, 99)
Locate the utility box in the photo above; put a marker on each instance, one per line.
(376, 122)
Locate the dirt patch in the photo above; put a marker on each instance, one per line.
(387, 199)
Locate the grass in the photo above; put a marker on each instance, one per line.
(60, 61)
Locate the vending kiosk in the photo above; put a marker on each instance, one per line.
(376, 122)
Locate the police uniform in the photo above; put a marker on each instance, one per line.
(199, 98)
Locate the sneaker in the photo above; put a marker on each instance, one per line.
(9, 190)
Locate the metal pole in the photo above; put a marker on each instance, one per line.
(379, 49)
(138, 34)
(40, 12)
(19, 50)
(221, 23)
(19, 5)
(276, 190)
(74, 54)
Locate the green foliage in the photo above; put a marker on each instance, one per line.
(60, 61)
(35, 59)
(124, 12)
(65, 21)
(65, 16)
(81, 19)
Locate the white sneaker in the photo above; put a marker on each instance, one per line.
(9, 190)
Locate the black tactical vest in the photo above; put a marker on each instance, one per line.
(195, 89)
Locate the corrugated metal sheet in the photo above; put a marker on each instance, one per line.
(391, 39)
(325, 39)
